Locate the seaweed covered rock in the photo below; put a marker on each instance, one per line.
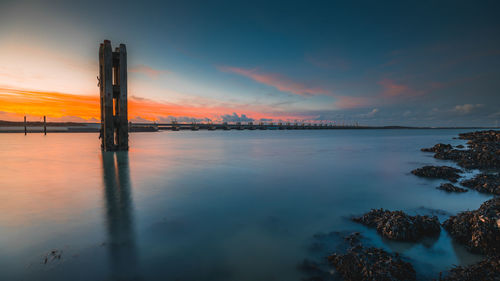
(397, 225)
(489, 136)
(486, 183)
(479, 229)
(361, 263)
(440, 147)
(483, 152)
(440, 172)
(487, 269)
(448, 187)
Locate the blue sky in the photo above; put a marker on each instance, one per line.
(432, 63)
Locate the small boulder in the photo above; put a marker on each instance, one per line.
(485, 183)
(448, 187)
(487, 269)
(479, 230)
(361, 263)
(396, 225)
(440, 147)
(441, 172)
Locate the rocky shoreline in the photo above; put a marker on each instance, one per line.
(478, 230)
(483, 151)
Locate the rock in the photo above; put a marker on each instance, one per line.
(488, 269)
(448, 187)
(52, 256)
(485, 183)
(459, 146)
(440, 147)
(353, 239)
(361, 263)
(479, 229)
(356, 262)
(483, 152)
(442, 172)
(397, 225)
(336, 241)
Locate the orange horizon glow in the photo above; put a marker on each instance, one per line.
(15, 103)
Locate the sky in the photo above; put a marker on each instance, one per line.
(413, 63)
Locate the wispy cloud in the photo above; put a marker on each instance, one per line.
(494, 115)
(147, 70)
(370, 114)
(391, 92)
(466, 108)
(277, 81)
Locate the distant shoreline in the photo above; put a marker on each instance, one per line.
(37, 127)
(75, 127)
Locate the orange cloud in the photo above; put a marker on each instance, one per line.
(275, 80)
(347, 102)
(15, 103)
(391, 92)
(391, 89)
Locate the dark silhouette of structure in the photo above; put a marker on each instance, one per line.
(113, 92)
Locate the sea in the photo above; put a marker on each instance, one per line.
(215, 205)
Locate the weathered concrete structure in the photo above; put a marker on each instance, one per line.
(113, 92)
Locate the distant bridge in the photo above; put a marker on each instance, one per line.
(68, 127)
(174, 126)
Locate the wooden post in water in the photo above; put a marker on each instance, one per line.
(113, 94)
(25, 129)
(45, 125)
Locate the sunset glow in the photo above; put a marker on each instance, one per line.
(192, 65)
(68, 107)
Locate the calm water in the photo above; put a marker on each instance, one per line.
(239, 205)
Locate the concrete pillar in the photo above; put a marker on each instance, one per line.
(113, 97)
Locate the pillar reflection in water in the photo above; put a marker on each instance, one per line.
(119, 217)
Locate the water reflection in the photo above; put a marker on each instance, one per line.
(119, 217)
